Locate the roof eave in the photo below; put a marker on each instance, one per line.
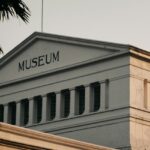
(140, 53)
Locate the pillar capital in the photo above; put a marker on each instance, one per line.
(86, 85)
(6, 104)
(71, 89)
(18, 101)
(57, 92)
(30, 98)
(44, 95)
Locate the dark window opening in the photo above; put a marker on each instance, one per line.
(96, 96)
(37, 109)
(1, 113)
(51, 106)
(65, 105)
(12, 113)
(24, 111)
(80, 100)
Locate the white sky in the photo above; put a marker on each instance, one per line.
(120, 21)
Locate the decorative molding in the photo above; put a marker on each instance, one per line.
(139, 53)
(114, 47)
(102, 81)
(72, 89)
(44, 95)
(61, 69)
(42, 140)
(88, 115)
(30, 98)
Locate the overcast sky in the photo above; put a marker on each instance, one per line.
(119, 21)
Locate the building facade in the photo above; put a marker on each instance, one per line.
(92, 91)
(17, 138)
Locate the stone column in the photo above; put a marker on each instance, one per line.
(44, 108)
(18, 113)
(102, 94)
(148, 95)
(58, 105)
(145, 100)
(104, 90)
(72, 102)
(31, 111)
(6, 115)
(87, 99)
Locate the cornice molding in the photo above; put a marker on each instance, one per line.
(113, 47)
(139, 53)
(47, 141)
(68, 67)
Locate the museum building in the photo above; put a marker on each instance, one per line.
(92, 91)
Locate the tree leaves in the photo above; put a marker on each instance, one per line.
(14, 8)
(1, 51)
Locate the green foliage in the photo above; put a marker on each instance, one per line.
(15, 8)
(1, 51)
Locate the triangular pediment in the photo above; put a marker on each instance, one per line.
(41, 53)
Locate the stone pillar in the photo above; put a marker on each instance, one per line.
(31, 111)
(87, 99)
(18, 113)
(148, 95)
(44, 108)
(102, 94)
(104, 90)
(72, 102)
(58, 105)
(6, 113)
(145, 100)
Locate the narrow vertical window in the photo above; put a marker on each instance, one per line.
(80, 100)
(24, 111)
(51, 106)
(65, 104)
(95, 96)
(12, 113)
(107, 94)
(37, 109)
(1, 113)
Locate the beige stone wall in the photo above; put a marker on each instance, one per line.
(140, 102)
(17, 138)
(140, 134)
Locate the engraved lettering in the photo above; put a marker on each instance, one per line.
(38, 61)
(41, 60)
(48, 59)
(28, 64)
(21, 66)
(34, 62)
(56, 56)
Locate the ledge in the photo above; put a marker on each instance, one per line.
(22, 138)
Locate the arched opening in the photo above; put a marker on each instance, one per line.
(37, 109)
(51, 106)
(65, 104)
(80, 100)
(24, 111)
(1, 113)
(12, 113)
(95, 96)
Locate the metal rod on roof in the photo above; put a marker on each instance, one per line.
(42, 18)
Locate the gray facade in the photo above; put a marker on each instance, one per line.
(92, 91)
